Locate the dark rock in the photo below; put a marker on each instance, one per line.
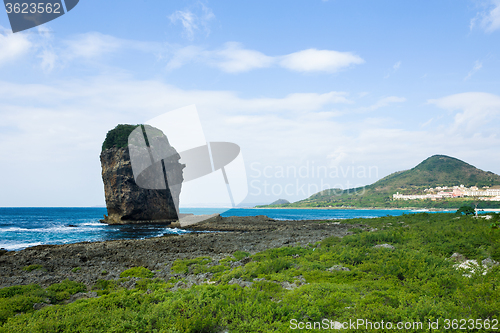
(338, 268)
(242, 283)
(489, 262)
(38, 306)
(160, 176)
(385, 246)
(457, 257)
(77, 296)
(249, 234)
(181, 285)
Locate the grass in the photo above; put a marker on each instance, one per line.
(32, 268)
(197, 265)
(139, 272)
(414, 282)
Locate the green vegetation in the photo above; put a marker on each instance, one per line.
(76, 269)
(495, 223)
(280, 202)
(416, 281)
(196, 266)
(466, 210)
(61, 291)
(32, 268)
(139, 272)
(20, 299)
(118, 136)
(438, 170)
(238, 255)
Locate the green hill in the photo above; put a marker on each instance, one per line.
(438, 170)
(280, 202)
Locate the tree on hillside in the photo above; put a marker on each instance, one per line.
(466, 210)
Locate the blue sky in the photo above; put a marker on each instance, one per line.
(350, 86)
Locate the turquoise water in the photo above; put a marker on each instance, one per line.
(25, 227)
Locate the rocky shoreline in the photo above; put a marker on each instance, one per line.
(217, 238)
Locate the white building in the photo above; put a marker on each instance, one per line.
(458, 192)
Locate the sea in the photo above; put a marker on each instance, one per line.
(25, 227)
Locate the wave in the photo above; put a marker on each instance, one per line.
(17, 246)
(56, 229)
(174, 231)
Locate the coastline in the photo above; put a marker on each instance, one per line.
(361, 208)
(379, 208)
(217, 238)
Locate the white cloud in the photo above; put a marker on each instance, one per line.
(49, 59)
(395, 68)
(60, 127)
(188, 21)
(13, 46)
(477, 111)
(45, 32)
(488, 20)
(382, 103)
(477, 66)
(184, 55)
(192, 22)
(83, 48)
(313, 60)
(91, 45)
(234, 58)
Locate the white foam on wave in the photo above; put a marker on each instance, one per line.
(13, 229)
(53, 229)
(168, 231)
(176, 231)
(17, 246)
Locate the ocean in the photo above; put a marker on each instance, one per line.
(24, 227)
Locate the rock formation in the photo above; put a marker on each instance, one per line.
(152, 196)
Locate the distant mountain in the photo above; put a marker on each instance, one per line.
(441, 170)
(280, 202)
(437, 170)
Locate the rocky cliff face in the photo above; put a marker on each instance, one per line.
(157, 199)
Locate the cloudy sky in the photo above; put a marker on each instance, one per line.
(316, 93)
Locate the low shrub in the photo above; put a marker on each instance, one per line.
(32, 268)
(197, 265)
(240, 255)
(414, 282)
(63, 290)
(138, 272)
